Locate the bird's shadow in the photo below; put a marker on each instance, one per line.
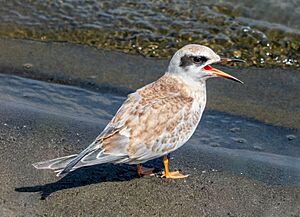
(89, 175)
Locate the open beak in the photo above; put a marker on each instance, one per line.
(218, 72)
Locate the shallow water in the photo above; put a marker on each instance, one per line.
(251, 30)
(222, 142)
(117, 72)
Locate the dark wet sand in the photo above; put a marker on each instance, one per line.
(40, 121)
(30, 135)
(269, 95)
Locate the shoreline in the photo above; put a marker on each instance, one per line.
(268, 94)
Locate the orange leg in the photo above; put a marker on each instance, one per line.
(171, 175)
(145, 172)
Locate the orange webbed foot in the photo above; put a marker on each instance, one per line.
(173, 175)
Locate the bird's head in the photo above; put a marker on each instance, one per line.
(193, 62)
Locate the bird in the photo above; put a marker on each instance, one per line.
(155, 120)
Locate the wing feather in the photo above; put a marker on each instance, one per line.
(146, 124)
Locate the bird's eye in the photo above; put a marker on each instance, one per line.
(200, 59)
(196, 59)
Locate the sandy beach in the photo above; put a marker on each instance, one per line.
(237, 166)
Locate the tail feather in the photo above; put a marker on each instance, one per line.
(102, 160)
(91, 149)
(90, 156)
(55, 164)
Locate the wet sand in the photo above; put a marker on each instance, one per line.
(269, 94)
(237, 166)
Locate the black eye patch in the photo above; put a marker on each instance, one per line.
(199, 59)
(190, 60)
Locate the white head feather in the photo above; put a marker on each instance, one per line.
(184, 65)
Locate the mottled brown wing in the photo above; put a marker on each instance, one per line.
(147, 124)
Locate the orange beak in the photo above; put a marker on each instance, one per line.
(218, 72)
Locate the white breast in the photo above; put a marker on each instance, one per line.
(189, 124)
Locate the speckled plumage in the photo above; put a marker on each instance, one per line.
(153, 121)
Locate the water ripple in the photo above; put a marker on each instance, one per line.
(245, 29)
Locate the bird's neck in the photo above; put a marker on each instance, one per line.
(193, 84)
(193, 88)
